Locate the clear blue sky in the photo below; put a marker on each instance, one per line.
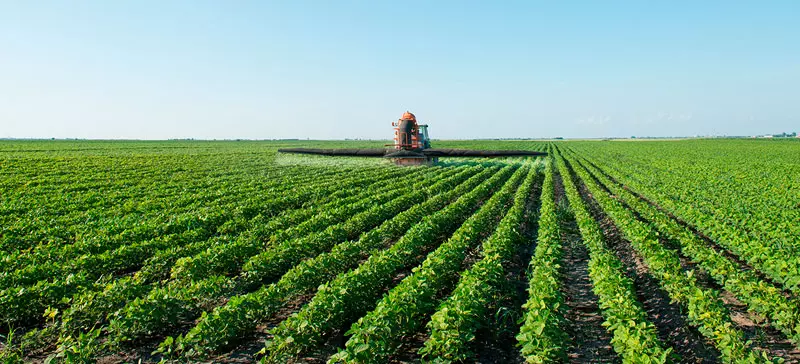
(337, 69)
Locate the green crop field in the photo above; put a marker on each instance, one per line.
(226, 251)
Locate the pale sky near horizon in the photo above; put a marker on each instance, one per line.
(346, 69)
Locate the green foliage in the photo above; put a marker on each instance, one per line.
(374, 337)
(541, 337)
(741, 193)
(242, 313)
(705, 308)
(634, 337)
(760, 296)
(82, 348)
(10, 352)
(351, 294)
(164, 307)
(454, 324)
(106, 244)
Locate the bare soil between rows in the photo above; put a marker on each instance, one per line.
(497, 342)
(754, 327)
(590, 341)
(744, 266)
(671, 324)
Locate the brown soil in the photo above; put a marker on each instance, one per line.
(246, 350)
(492, 346)
(408, 351)
(755, 327)
(497, 342)
(744, 266)
(590, 341)
(410, 346)
(337, 339)
(672, 326)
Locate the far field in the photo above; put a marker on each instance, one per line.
(209, 251)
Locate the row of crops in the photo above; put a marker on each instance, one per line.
(224, 252)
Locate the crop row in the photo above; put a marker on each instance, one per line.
(453, 327)
(374, 337)
(266, 202)
(227, 214)
(760, 296)
(542, 338)
(25, 303)
(242, 313)
(745, 212)
(227, 258)
(705, 308)
(352, 294)
(634, 337)
(164, 306)
(131, 221)
(89, 308)
(47, 224)
(761, 177)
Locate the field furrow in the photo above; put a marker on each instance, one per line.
(633, 335)
(705, 309)
(351, 295)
